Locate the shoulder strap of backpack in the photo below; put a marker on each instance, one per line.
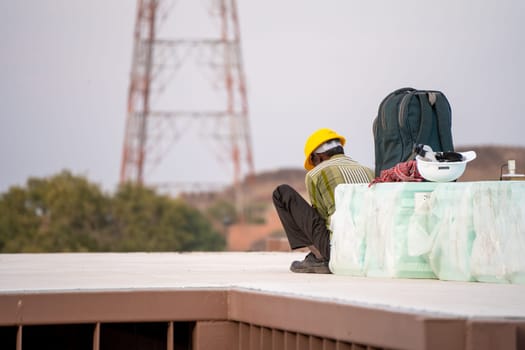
(425, 125)
(402, 120)
(444, 121)
(431, 101)
(379, 126)
(425, 120)
(387, 98)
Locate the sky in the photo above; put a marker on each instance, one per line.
(65, 69)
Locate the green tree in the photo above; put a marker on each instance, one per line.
(60, 213)
(67, 213)
(146, 221)
(18, 221)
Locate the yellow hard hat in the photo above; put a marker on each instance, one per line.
(317, 139)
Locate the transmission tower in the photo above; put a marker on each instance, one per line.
(155, 124)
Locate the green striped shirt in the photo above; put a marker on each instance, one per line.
(322, 180)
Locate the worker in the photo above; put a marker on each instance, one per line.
(308, 225)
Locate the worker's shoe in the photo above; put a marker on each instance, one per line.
(310, 264)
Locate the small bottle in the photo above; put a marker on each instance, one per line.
(512, 175)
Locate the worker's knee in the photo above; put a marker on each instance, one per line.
(282, 193)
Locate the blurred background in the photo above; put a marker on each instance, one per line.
(68, 69)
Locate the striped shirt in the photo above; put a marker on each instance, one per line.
(322, 180)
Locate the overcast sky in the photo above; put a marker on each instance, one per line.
(64, 68)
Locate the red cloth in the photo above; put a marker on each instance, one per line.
(402, 172)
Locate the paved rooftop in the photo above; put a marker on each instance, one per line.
(258, 271)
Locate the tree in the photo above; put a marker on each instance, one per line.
(146, 221)
(67, 213)
(18, 222)
(61, 213)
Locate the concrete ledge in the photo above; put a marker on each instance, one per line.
(253, 298)
(114, 306)
(218, 311)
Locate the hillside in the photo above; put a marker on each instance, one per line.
(487, 166)
(489, 161)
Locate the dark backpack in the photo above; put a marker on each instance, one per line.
(406, 117)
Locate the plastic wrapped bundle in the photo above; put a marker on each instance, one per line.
(370, 229)
(388, 242)
(451, 231)
(497, 253)
(478, 231)
(472, 231)
(515, 257)
(381, 255)
(348, 238)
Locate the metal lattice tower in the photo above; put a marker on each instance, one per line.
(155, 124)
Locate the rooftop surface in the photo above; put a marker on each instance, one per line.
(264, 272)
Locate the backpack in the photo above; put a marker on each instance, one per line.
(406, 117)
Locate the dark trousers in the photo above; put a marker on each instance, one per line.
(302, 223)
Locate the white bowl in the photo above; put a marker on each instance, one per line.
(444, 171)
